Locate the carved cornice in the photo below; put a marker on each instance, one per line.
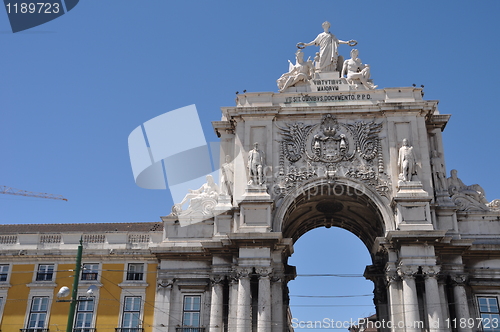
(223, 127)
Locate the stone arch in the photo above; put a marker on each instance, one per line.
(340, 202)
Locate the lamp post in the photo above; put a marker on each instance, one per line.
(74, 292)
(63, 292)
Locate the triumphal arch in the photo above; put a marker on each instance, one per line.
(331, 149)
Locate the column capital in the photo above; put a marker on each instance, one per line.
(217, 279)
(407, 271)
(264, 272)
(391, 273)
(243, 272)
(459, 279)
(431, 271)
(165, 283)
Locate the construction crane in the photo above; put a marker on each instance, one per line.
(14, 191)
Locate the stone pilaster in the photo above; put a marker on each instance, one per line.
(393, 289)
(162, 302)
(216, 306)
(410, 300)
(461, 303)
(433, 300)
(244, 312)
(264, 301)
(233, 303)
(277, 298)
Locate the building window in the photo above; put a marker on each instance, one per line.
(4, 272)
(490, 315)
(45, 272)
(84, 315)
(89, 271)
(38, 313)
(191, 311)
(131, 318)
(135, 271)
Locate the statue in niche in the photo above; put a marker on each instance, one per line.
(406, 162)
(357, 72)
(227, 175)
(202, 200)
(255, 165)
(456, 186)
(328, 45)
(301, 71)
(438, 172)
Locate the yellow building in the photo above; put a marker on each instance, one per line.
(37, 260)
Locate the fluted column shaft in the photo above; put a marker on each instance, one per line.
(162, 303)
(216, 306)
(244, 318)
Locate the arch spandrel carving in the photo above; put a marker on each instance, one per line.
(330, 148)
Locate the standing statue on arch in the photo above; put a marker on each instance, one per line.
(406, 162)
(328, 48)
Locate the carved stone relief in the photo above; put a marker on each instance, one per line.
(331, 149)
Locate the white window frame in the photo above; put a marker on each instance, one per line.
(95, 270)
(123, 312)
(35, 277)
(184, 311)
(77, 311)
(7, 273)
(129, 272)
(30, 312)
(479, 312)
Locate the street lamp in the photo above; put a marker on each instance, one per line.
(64, 291)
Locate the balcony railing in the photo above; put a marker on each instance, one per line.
(189, 329)
(129, 329)
(34, 329)
(83, 329)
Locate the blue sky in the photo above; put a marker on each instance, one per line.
(72, 90)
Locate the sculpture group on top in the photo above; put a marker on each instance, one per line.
(327, 60)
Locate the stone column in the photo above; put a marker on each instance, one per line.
(216, 306)
(162, 304)
(461, 303)
(264, 301)
(233, 303)
(410, 300)
(277, 299)
(433, 299)
(244, 309)
(395, 305)
(444, 302)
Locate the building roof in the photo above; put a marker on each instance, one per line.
(87, 228)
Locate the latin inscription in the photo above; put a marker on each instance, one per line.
(327, 98)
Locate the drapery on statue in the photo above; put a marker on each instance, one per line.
(202, 200)
(328, 48)
(227, 174)
(357, 72)
(301, 71)
(456, 186)
(406, 161)
(255, 165)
